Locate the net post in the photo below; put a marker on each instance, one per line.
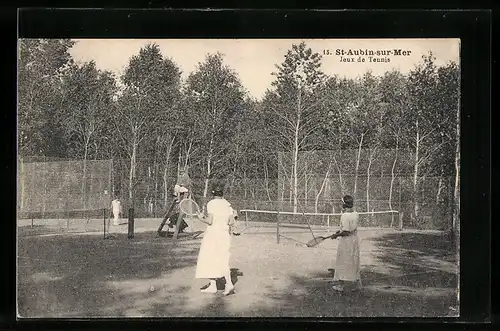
(246, 219)
(328, 223)
(130, 223)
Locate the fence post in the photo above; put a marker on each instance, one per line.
(131, 223)
(399, 194)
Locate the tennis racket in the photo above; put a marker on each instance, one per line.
(318, 240)
(189, 207)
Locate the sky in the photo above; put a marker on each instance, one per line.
(254, 59)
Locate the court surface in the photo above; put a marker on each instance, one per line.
(405, 274)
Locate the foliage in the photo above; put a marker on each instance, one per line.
(41, 63)
(354, 130)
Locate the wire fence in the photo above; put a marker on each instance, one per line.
(69, 189)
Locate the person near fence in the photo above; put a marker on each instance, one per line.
(116, 208)
(347, 268)
(213, 258)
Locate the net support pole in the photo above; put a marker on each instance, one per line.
(130, 223)
(246, 219)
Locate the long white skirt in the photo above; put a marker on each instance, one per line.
(347, 266)
(213, 258)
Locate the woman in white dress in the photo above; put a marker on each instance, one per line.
(347, 268)
(213, 258)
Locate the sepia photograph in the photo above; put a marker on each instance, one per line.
(238, 178)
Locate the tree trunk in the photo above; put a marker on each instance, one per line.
(84, 181)
(155, 199)
(209, 167)
(205, 189)
(321, 188)
(440, 187)
(252, 192)
(296, 153)
(166, 171)
(295, 171)
(358, 158)
(179, 161)
(370, 161)
(165, 187)
(305, 183)
(245, 187)
(341, 180)
(415, 173)
(266, 183)
(393, 174)
(133, 165)
(188, 154)
(282, 191)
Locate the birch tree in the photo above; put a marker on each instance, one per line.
(40, 66)
(88, 94)
(449, 95)
(217, 95)
(294, 103)
(394, 91)
(423, 121)
(151, 90)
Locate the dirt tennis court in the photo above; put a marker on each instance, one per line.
(405, 274)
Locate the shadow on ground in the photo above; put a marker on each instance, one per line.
(412, 275)
(83, 275)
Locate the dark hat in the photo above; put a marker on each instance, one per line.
(217, 189)
(348, 201)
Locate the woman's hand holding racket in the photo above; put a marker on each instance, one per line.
(316, 241)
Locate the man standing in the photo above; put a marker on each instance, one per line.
(116, 207)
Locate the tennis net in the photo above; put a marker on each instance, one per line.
(269, 221)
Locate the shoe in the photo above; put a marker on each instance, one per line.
(228, 290)
(210, 289)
